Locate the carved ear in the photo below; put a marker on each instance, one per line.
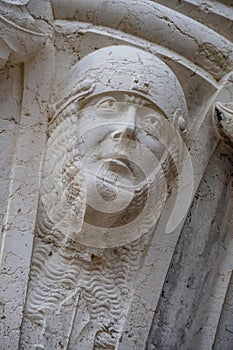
(223, 118)
(179, 121)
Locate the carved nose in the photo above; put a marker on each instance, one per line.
(128, 127)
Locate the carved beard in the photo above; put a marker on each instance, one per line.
(65, 221)
(106, 230)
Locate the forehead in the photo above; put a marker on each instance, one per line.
(121, 97)
(119, 102)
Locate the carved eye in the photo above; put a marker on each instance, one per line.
(151, 124)
(151, 119)
(107, 105)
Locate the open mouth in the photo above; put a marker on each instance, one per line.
(117, 170)
(123, 172)
(120, 165)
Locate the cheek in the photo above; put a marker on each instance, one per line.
(154, 145)
(89, 138)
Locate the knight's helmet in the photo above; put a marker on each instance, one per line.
(126, 69)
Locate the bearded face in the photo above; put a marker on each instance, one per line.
(104, 169)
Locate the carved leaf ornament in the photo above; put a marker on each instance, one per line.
(19, 33)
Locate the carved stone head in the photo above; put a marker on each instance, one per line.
(113, 139)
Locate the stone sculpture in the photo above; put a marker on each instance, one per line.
(113, 145)
(116, 208)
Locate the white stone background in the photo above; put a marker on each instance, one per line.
(197, 254)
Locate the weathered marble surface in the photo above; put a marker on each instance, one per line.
(171, 286)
